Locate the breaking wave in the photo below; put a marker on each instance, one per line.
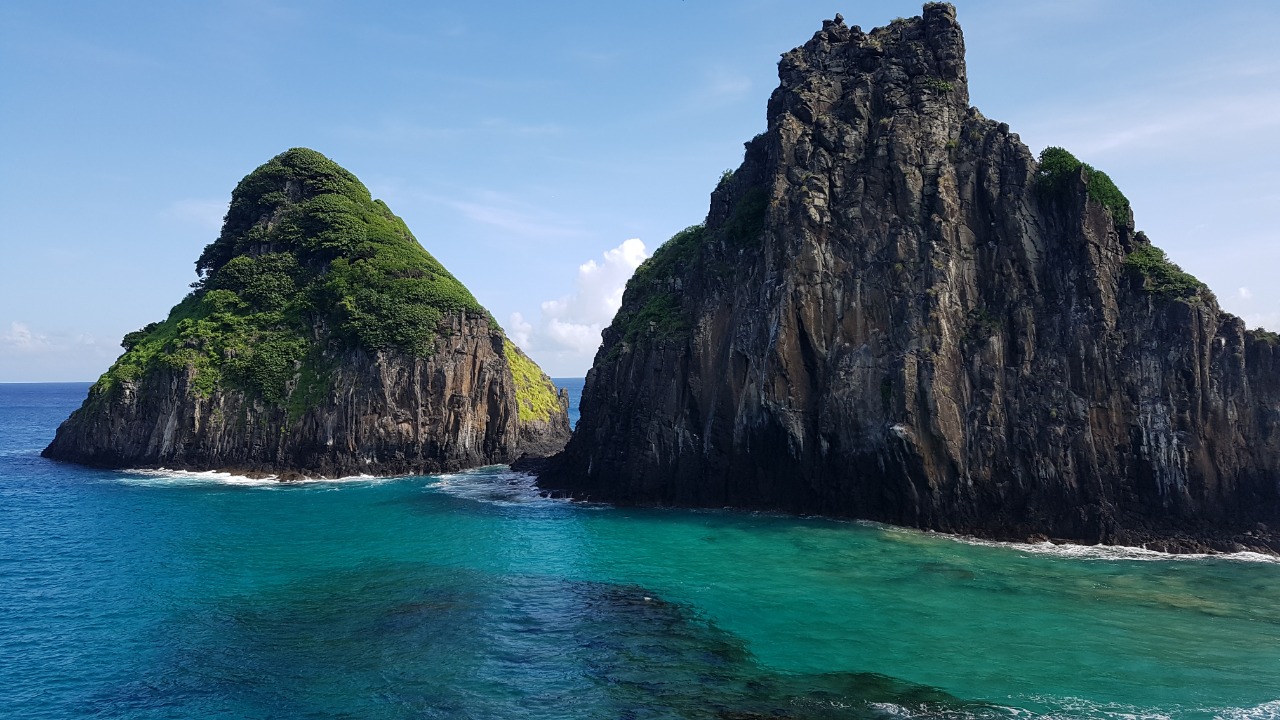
(497, 485)
(177, 478)
(1076, 551)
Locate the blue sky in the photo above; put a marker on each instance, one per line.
(541, 150)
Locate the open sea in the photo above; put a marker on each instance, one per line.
(165, 595)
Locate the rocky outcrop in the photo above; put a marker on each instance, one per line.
(895, 312)
(321, 341)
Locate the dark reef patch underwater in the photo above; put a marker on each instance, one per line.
(170, 595)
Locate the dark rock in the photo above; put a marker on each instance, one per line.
(890, 314)
(321, 341)
(533, 464)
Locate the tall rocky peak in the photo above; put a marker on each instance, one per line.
(321, 339)
(894, 311)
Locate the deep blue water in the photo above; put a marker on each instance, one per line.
(153, 595)
(574, 386)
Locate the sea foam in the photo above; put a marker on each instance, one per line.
(1076, 551)
(496, 485)
(1071, 708)
(177, 478)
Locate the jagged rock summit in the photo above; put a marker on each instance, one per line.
(321, 340)
(895, 312)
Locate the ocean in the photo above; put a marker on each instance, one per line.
(180, 595)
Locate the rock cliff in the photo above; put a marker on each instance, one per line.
(320, 340)
(894, 311)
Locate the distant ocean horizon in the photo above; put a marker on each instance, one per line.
(154, 594)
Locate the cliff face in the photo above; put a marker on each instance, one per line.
(895, 312)
(321, 340)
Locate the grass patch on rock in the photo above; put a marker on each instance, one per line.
(1058, 170)
(1160, 275)
(536, 396)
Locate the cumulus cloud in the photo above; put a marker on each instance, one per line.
(566, 332)
(30, 355)
(1244, 293)
(20, 338)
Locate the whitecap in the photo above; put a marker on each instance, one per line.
(928, 711)
(1076, 551)
(1074, 708)
(1265, 711)
(495, 485)
(1069, 708)
(1111, 552)
(164, 477)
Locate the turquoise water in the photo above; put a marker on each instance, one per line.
(150, 595)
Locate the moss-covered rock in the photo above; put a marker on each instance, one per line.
(1160, 275)
(310, 279)
(1059, 169)
(536, 396)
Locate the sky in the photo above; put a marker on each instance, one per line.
(542, 150)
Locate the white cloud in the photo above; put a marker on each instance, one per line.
(21, 339)
(567, 330)
(1244, 293)
(521, 331)
(30, 355)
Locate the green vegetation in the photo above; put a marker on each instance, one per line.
(1160, 276)
(315, 382)
(536, 397)
(1266, 336)
(939, 85)
(306, 260)
(670, 258)
(652, 303)
(303, 232)
(1058, 170)
(660, 314)
(659, 308)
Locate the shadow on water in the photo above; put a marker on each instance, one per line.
(424, 641)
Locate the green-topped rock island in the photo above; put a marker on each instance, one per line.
(320, 340)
